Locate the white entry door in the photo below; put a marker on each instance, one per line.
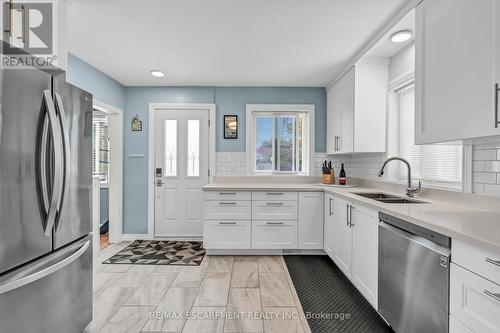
(181, 169)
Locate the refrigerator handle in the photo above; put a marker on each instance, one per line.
(66, 152)
(51, 210)
(42, 268)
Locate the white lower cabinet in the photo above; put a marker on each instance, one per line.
(227, 234)
(274, 234)
(342, 236)
(329, 225)
(227, 210)
(310, 229)
(474, 300)
(364, 272)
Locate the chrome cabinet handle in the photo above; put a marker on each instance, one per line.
(493, 262)
(274, 223)
(66, 151)
(497, 121)
(23, 25)
(495, 296)
(336, 148)
(8, 4)
(227, 223)
(351, 208)
(274, 203)
(330, 206)
(227, 203)
(227, 193)
(274, 193)
(347, 215)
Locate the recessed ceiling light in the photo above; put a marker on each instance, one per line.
(157, 73)
(401, 36)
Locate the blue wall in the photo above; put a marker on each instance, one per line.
(100, 85)
(135, 100)
(233, 100)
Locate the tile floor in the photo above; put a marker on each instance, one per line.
(244, 294)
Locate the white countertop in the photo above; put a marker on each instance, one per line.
(468, 224)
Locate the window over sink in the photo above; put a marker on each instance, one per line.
(280, 139)
(437, 165)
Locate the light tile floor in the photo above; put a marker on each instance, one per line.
(225, 294)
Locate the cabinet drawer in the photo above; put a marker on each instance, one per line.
(226, 234)
(227, 195)
(227, 210)
(484, 263)
(474, 301)
(274, 210)
(275, 195)
(458, 327)
(274, 234)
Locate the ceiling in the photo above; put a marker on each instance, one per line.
(223, 42)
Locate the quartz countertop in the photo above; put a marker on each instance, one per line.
(477, 227)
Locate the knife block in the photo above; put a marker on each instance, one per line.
(328, 178)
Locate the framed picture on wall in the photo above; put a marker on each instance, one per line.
(230, 127)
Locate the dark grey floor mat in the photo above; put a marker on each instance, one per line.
(323, 289)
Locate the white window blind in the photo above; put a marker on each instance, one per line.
(438, 163)
(100, 146)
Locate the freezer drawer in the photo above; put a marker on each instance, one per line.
(53, 294)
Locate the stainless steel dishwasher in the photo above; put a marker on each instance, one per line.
(413, 277)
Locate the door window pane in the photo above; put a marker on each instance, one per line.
(170, 148)
(264, 143)
(193, 149)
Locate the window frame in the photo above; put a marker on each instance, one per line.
(104, 183)
(394, 88)
(255, 110)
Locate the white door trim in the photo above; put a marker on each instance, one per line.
(115, 130)
(151, 149)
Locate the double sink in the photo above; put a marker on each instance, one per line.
(389, 199)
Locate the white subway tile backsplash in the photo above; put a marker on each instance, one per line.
(478, 166)
(492, 189)
(492, 166)
(478, 188)
(484, 177)
(485, 155)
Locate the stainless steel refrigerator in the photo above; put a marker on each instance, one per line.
(45, 203)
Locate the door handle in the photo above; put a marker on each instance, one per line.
(274, 203)
(497, 120)
(40, 270)
(227, 223)
(53, 201)
(335, 148)
(66, 151)
(274, 223)
(274, 193)
(227, 203)
(347, 215)
(495, 296)
(330, 206)
(227, 193)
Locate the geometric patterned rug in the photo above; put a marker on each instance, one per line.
(149, 252)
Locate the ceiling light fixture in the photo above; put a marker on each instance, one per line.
(157, 73)
(401, 36)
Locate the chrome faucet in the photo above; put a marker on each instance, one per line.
(410, 189)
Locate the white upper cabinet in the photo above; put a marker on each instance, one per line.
(456, 69)
(357, 109)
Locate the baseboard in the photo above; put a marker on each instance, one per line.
(261, 252)
(131, 237)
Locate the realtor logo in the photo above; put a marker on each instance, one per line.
(27, 27)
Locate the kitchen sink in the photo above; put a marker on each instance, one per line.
(388, 198)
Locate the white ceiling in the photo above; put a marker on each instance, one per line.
(223, 42)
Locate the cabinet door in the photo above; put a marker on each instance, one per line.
(365, 252)
(342, 237)
(454, 73)
(329, 227)
(310, 220)
(347, 113)
(332, 114)
(274, 235)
